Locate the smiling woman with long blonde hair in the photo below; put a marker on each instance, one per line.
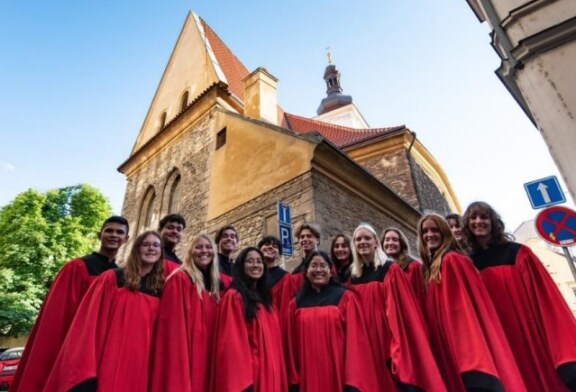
(188, 312)
(393, 317)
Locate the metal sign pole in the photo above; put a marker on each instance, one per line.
(570, 261)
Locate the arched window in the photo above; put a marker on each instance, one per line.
(184, 101)
(145, 216)
(174, 196)
(162, 120)
(171, 193)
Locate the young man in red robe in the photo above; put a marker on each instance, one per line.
(171, 228)
(61, 303)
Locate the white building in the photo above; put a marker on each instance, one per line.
(536, 41)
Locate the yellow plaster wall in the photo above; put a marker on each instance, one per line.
(254, 160)
(189, 69)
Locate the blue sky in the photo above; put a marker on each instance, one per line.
(77, 78)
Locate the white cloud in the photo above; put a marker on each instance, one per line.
(7, 166)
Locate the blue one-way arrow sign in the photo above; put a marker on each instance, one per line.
(544, 192)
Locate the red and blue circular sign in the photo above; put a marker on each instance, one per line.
(557, 225)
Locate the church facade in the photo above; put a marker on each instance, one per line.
(216, 147)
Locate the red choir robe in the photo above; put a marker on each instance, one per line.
(169, 267)
(248, 355)
(183, 342)
(466, 333)
(415, 274)
(397, 329)
(327, 344)
(277, 277)
(537, 321)
(108, 346)
(55, 318)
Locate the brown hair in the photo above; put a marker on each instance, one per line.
(404, 255)
(433, 261)
(497, 234)
(155, 279)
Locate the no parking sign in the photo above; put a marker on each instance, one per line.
(557, 225)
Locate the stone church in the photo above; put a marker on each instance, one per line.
(216, 147)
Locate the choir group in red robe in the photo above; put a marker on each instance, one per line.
(367, 317)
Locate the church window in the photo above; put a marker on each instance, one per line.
(221, 138)
(184, 101)
(162, 120)
(146, 210)
(173, 192)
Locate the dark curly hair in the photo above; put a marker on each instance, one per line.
(497, 234)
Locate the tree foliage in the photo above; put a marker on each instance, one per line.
(38, 233)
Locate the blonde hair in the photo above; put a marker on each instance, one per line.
(380, 256)
(433, 261)
(196, 275)
(132, 277)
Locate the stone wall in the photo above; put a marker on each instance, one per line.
(259, 217)
(339, 210)
(190, 155)
(394, 171)
(431, 198)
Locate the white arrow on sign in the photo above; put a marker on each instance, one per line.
(543, 188)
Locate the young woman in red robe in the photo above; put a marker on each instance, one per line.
(395, 244)
(537, 321)
(466, 334)
(393, 316)
(248, 352)
(108, 346)
(341, 255)
(186, 321)
(327, 343)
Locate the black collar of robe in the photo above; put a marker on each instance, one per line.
(495, 255)
(96, 263)
(328, 295)
(121, 281)
(371, 274)
(171, 255)
(275, 274)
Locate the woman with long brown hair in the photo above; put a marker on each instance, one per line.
(341, 255)
(188, 312)
(395, 244)
(536, 319)
(109, 344)
(466, 336)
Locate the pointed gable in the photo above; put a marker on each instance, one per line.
(199, 60)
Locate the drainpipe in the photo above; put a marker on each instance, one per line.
(412, 172)
(503, 37)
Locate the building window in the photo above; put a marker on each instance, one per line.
(174, 196)
(184, 101)
(162, 121)
(146, 210)
(221, 138)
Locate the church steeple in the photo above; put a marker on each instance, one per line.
(334, 99)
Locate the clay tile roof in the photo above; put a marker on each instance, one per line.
(232, 67)
(339, 135)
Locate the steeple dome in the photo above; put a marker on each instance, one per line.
(334, 99)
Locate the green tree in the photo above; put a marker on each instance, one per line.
(38, 233)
